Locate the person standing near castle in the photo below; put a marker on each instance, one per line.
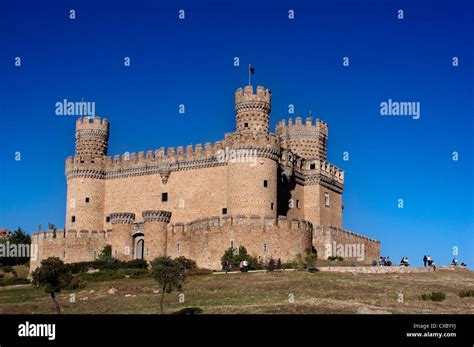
(425, 259)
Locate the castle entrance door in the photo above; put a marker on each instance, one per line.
(139, 247)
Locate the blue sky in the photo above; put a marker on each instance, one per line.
(190, 62)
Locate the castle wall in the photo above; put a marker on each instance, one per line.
(333, 241)
(192, 194)
(69, 246)
(205, 241)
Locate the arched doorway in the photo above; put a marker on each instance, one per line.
(139, 247)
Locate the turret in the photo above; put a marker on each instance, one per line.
(308, 139)
(252, 110)
(92, 136)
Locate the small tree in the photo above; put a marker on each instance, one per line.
(54, 276)
(235, 256)
(169, 274)
(106, 253)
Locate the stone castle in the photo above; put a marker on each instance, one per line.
(274, 193)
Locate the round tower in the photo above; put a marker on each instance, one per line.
(121, 239)
(252, 110)
(154, 228)
(92, 136)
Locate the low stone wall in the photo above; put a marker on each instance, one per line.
(333, 241)
(373, 269)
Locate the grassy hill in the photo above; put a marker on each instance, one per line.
(283, 292)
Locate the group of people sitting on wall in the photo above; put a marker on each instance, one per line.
(385, 261)
(454, 263)
(404, 262)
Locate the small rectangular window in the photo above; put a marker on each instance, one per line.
(224, 211)
(87, 200)
(246, 125)
(265, 248)
(271, 205)
(107, 219)
(177, 246)
(297, 204)
(73, 219)
(164, 197)
(265, 183)
(326, 199)
(312, 166)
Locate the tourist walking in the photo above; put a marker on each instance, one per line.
(425, 260)
(246, 266)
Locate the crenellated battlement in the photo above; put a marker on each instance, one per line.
(281, 222)
(246, 94)
(156, 216)
(89, 123)
(314, 167)
(122, 218)
(318, 126)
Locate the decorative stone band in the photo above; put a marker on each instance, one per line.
(301, 134)
(156, 216)
(252, 105)
(86, 173)
(323, 180)
(164, 168)
(92, 133)
(122, 218)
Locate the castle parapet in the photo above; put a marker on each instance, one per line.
(157, 216)
(122, 218)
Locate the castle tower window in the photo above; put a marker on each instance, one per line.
(272, 205)
(265, 248)
(246, 125)
(107, 219)
(148, 251)
(164, 197)
(232, 244)
(224, 211)
(94, 255)
(312, 166)
(326, 199)
(177, 246)
(87, 200)
(297, 204)
(64, 254)
(265, 183)
(73, 219)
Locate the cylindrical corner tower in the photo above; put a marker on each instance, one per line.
(154, 228)
(252, 110)
(92, 136)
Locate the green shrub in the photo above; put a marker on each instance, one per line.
(438, 296)
(235, 256)
(135, 264)
(13, 281)
(434, 296)
(336, 258)
(7, 269)
(466, 293)
(186, 263)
